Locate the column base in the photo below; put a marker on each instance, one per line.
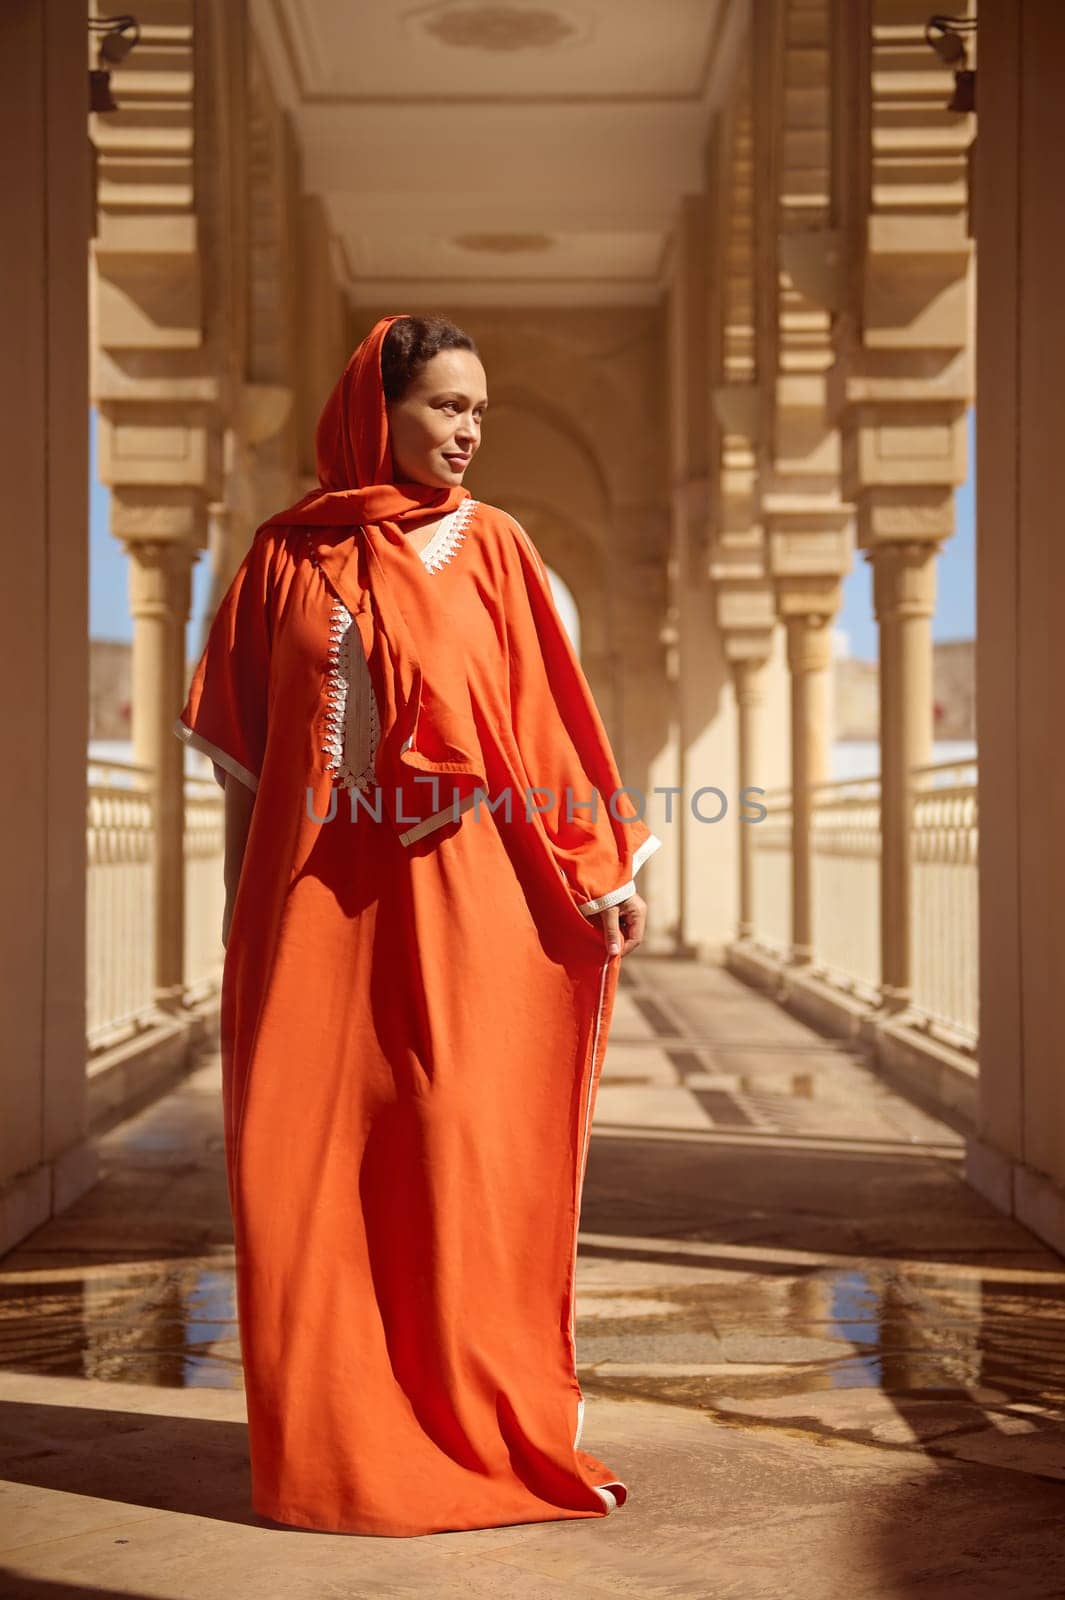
(32, 1198)
(894, 1002)
(130, 1075)
(1017, 1190)
(170, 1000)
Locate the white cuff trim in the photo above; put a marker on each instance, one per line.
(437, 820)
(605, 1495)
(219, 757)
(615, 896)
(648, 848)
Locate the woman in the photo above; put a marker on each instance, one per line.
(419, 978)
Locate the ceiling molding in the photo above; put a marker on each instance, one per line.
(641, 151)
(273, 13)
(275, 55)
(504, 292)
(733, 26)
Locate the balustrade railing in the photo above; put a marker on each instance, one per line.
(120, 898)
(845, 888)
(945, 901)
(120, 902)
(771, 872)
(845, 870)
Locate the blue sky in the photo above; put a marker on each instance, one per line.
(955, 614)
(109, 616)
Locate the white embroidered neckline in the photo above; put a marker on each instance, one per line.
(448, 536)
(352, 721)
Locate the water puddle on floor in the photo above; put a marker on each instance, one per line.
(699, 1335)
(902, 1331)
(754, 1335)
(170, 1326)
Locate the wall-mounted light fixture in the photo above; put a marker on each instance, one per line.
(118, 35)
(946, 35)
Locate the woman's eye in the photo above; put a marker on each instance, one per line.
(454, 407)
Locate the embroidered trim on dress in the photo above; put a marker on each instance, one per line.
(353, 727)
(220, 759)
(352, 722)
(448, 536)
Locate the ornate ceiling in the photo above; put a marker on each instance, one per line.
(500, 151)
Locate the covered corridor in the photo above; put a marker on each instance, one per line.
(738, 286)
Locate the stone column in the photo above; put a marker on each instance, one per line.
(809, 662)
(1018, 1158)
(904, 599)
(901, 381)
(47, 1156)
(160, 591)
(638, 667)
(807, 566)
(807, 523)
(169, 314)
(744, 608)
(736, 559)
(261, 412)
(748, 679)
(708, 850)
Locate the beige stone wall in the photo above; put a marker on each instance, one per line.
(44, 154)
(953, 693)
(856, 690)
(324, 344)
(954, 688)
(110, 688)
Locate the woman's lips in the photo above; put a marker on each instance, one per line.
(458, 461)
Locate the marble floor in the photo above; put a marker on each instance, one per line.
(822, 1364)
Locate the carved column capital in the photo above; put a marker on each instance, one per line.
(904, 580)
(747, 656)
(809, 636)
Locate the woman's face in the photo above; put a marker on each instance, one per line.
(435, 430)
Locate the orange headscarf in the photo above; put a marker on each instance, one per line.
(354, 455)
(361, 509)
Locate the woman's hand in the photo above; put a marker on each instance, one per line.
(623, 925)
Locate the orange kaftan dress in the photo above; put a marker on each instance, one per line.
(414, 1016)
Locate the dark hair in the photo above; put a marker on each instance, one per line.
(411, 342)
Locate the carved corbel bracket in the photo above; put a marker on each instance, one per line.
(738, 408)
(262, 411)
(813, 260)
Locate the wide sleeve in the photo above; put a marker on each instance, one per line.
(225, 714)
(596, 833)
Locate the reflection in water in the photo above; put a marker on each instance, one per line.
(210, 1326)
(171, 1325)
(856, 1313)
(744, 1341)
(739, 1334)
